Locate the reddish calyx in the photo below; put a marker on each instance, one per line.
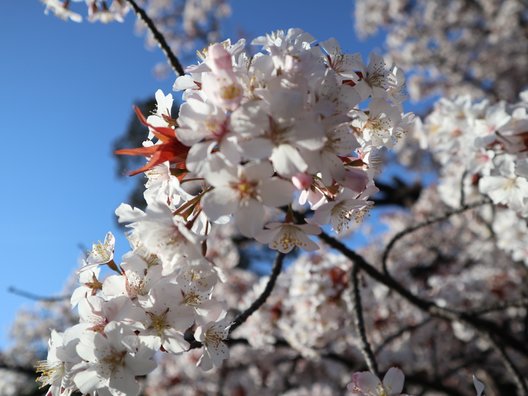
(170, 149)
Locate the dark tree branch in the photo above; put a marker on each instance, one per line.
(423, 224)
(18, 369)
(276, 270)
(399, 333)
(501, 306)
(359, 323)
(399, 194)
(173, 60)
(35, 297)
(462, 191)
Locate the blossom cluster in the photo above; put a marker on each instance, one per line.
(185, 24)
(482, 149)
(98, 10)
(255, 136)
(288, 119)
(453, 47)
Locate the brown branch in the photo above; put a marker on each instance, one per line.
(276, 270)
(36, 297)
(399, 333)
(501, 306)
(398, 193)
(359, 324)
(423, 224)
(172, 59)
(18, 369)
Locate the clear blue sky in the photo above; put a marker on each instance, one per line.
(66, 92)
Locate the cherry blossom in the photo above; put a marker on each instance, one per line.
(367, 384)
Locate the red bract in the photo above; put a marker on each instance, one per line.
(170, 149)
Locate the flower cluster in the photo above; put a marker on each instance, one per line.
(482, 149)
(454, 46)
(185, 24)
(367, 384)
(279, 129)
(98, 10)
(127, 317)
(287, 119)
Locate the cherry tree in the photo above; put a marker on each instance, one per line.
(280, 142)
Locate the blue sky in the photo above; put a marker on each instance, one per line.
(66, 92)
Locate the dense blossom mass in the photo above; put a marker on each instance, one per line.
(483, 151)
(256, 137)
(453, 46)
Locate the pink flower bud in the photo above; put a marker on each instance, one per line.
(302, 181)
(218, 59)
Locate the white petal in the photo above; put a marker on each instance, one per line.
(479, 386)
(250, 218)
(287, 160)
(258, 171)
(276, 192)
(256, 148)
(393, 381)
(366, 382)
(184, 82)
(219, 202)
(88, 380)
(123, 381)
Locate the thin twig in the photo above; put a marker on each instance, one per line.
(359, 324)
(423, 224)
(501, 306)
(399, 333)
(173, 60)
(276, 270)
(35, 297)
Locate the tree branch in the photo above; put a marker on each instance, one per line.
(425, 305)
(423, 224)
(276, 270)
(18, 369)
(172, 59)
(242, 317)
(35, 297)
(501, 306)
(359, 323)
(399, 333)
